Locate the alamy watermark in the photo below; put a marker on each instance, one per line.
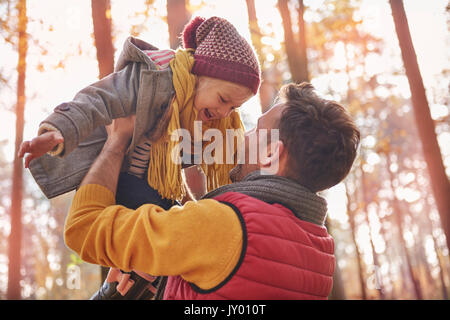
(190, 149)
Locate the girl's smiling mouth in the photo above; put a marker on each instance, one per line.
(206, 115)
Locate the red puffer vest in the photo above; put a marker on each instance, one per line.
(282, 257)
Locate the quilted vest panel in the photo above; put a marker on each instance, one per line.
(283, 257)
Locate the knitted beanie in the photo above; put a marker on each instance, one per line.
(221, 52)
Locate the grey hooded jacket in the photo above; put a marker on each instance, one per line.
(136, 87)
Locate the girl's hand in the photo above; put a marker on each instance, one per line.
(39, 146)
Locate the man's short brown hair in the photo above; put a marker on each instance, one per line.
(320, 136)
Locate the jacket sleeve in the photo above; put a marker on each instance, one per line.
(97, 105)
(201, 241)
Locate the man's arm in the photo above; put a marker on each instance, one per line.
(200, 241)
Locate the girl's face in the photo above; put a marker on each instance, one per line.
(216, 99)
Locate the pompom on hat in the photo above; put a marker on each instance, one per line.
(221, 52)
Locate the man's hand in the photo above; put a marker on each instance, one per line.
(120, 132)
(106, 168)
(39, 146)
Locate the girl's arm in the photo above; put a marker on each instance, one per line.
(112, 97)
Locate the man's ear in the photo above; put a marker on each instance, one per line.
(271, 161)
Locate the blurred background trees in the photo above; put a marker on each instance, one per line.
(15, 235)
(439, 180)
(389, 217)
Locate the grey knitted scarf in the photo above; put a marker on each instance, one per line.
(305, 204)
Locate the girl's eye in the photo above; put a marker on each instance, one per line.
(222, 99)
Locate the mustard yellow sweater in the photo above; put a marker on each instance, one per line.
(201, 241)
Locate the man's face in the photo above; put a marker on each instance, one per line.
(268, 121)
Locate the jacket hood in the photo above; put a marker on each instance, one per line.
(133, 51)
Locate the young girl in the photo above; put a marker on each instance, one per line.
(215, 72)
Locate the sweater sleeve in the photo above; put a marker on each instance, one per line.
(201, 241)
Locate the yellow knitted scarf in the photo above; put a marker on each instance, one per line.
(163, 174)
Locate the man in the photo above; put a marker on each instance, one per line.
(261, 237)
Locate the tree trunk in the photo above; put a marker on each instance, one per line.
(101, 18)
(384, 233)
(338, 291)
(388, 252)
(268, 89)
(399, 220)
(366, 217)
(351, 218)
(255, 32)
(291, 46)
(420, 255)
(302, 52)
(177, 17)
(432, 154)
(435, 244)
(15, 237)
